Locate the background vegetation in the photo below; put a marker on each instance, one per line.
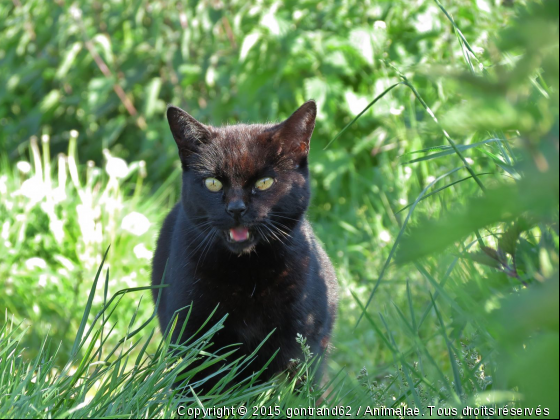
(438, 205)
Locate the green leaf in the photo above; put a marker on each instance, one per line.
(68, 60)
(248, 43)
(50, 101)
(500, 204)
(483, 258)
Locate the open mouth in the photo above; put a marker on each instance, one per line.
(238, 234)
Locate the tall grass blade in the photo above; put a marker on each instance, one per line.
(80, 333)
(362, 113)
(396, 243)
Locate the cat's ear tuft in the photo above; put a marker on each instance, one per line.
(295, 133)
(188, 133)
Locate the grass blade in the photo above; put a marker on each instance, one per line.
(80, 333)
(362, 113)
(394, 248)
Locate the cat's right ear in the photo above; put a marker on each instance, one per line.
(188, 133)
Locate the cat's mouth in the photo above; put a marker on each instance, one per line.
(238, 234)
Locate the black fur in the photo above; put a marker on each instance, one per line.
(279, 279)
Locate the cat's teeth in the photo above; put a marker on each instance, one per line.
(239, 234)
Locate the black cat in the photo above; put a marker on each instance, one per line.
(239, 238)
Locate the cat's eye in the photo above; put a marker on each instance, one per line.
(213, 184)
(264, 183)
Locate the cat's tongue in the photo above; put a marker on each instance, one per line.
(239, 234)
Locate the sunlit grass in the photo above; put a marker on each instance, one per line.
(57, 223)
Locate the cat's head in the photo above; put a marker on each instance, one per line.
(244, 185)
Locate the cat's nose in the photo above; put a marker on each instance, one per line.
(236, 208)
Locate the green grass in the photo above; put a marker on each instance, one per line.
(435, 192)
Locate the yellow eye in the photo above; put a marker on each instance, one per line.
(264, 183)
(213, 184)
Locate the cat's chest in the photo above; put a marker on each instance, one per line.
(254, 312)
(250, 293)
(257, 294)
(250, 288)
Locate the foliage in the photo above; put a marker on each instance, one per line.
(54, 232)
(438, 204)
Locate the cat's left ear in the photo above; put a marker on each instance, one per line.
(295, 133)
